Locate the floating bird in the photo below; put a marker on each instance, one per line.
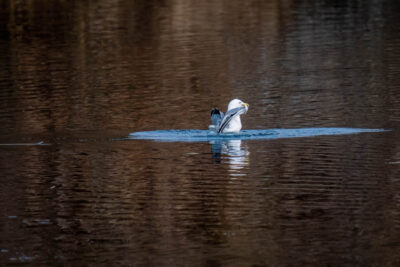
(230, 122)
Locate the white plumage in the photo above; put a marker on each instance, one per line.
(230, 122)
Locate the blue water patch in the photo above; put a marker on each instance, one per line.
(207, 135)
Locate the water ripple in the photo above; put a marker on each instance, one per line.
(205, 135)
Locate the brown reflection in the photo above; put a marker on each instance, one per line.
(141, 65)
(132, 60)
(145, 199)
(72, 73)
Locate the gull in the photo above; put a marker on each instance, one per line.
(230, 122)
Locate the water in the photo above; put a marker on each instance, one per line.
(77, 78)
(207, 135)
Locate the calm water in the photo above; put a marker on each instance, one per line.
(80, 76)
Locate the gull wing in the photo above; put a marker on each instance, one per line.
(229, 116)
(216, 117)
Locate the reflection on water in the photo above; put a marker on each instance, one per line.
(80, 76)
(237, 155)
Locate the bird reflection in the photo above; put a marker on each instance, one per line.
(233, 150)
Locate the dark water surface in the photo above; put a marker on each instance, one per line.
(77, 77)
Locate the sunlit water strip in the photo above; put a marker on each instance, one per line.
(25, 144)
(206, 135)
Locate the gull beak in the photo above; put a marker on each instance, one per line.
(246, 106)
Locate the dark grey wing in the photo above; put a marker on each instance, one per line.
(229, 116)
(216, 117)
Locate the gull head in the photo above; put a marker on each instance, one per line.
(237, 103)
